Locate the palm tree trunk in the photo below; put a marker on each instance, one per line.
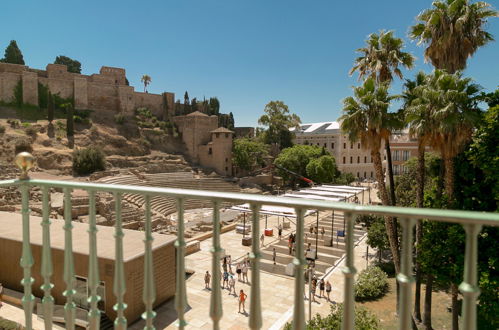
(455, 307)
(449, 177)
(389, 169)
(420, 178)
(390, 226)
(427, 302)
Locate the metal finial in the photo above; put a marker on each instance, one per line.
(24, 161)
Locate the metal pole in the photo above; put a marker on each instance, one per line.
(309, 292)
(362, 196)
(317, 235)
(332, 228)
(244, 225)
(266, 215)
(367, 256)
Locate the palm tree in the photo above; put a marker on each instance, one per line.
(418, 100)
(365, 118)
(380, 59)
(146, 80)
(453, 30)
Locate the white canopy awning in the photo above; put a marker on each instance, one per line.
(325, 193)
(316, 197)
(271, 210)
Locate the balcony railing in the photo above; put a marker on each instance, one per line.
(471, 221)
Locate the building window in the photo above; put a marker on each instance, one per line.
(365, 159)
(406, 155)
(210, 151)
(358, 145)
(306, 142)
(325, 145)
(226, 160)
(344, 145)
(351, 145)
(318, 143)
(351, 159)
(396, 155)
(371, 160)
(358, 174)
(344, 160)
(332, 145)
(226, 169)
(365, 175)
(217, 135)
(371, 174)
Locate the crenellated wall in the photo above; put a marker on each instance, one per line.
(105, 91)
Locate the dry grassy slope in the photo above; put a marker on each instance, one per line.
(54, 154)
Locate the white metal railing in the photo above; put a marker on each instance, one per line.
(472, 222)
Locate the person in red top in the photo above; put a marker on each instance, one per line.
(242, 299)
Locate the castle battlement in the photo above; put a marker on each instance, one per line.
(107, 90)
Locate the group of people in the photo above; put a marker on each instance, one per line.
(228, 280)
(323, 286)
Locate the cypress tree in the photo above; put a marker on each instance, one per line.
(13, 54)
(50, 108)
(70, 120)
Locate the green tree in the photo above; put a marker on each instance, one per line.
(73, 66)
(453, 30)
(248, 153)
(322, 169)
(213, 106)
(70, 124)
(365, 119)
(278, 121)
(296, 159)
(146, 80)
(13, 54)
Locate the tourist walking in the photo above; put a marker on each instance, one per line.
(321, 288)
(232, 285)
(238, 271)
(290, 246)
(279, 231)
(229, 262)
(273, 256)
(245, 273)
(262, 239)
(224, 264)
(242, 299)
(226, 280)
(328, 290)
(207, 278)
(323, 231)
(313, 289)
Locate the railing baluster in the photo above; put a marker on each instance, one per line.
(181, 292)
(349, 271)
(93, 266)
(120, 323)
(255, 319)
(46, 270)
(405, 277)
(469, 287)
(69, 273)
(299, 261)
(149, 291)
(216, 310)
(26, 259)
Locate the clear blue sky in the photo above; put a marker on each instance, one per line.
(244, 52)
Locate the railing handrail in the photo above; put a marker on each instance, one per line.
(454, 216)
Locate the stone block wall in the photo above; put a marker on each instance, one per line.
(80, 93)
(8, 81)
(30, 88)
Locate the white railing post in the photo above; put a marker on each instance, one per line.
(405, 277)
(469, 287)
(69, 273)
(149, 294)
(255, 318)
(93, 266)
(46, 269)
(299, 262)
(216, 310)
(349, 271)
(27, 258)
(181, 292)
(120, 323)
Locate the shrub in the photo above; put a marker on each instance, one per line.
(372, 283)
(2, 129)
(23, 145)
(364, 320)
(9, 325)
(88, 160)
(119, 119)
(31, 131)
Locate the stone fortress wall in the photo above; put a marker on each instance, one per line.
(105, 91)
